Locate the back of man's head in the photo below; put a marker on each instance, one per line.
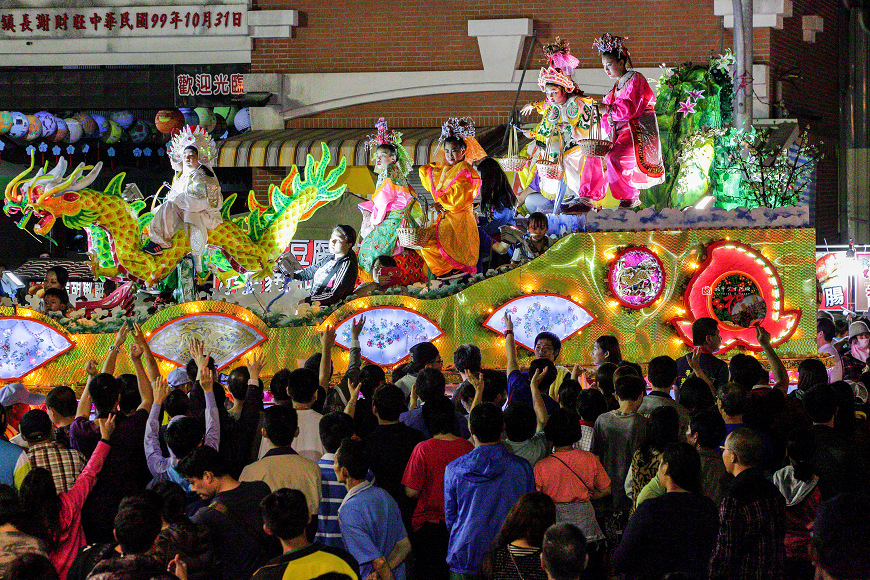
(176, 403)
(820, 403)
(733, 398)
(130, 396)
(494, 387)
(352, 456)
(237, 383)
(389, 402)
(709, 426)
(543, 364)
(62, 400)
(193, 370)
(35, 426)
(662, 372)
(563, 554)
(200, 460)
(138, 522)
(827, 327)
(430, 383)
(439, 416)
(280, 423)
(702, 328)
(684, 466)
(519, 422)
(334, 427)
(591, 404)
(486, 423)
(10, 505)
(629, 388)
(183, 435)
(840, 537)
(285, 513)
(104, 391)
(563, 428)
(747, 445)
(279, 386)
(303, 385)
(746, 371)
(467, 358)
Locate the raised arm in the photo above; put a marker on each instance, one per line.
(142, 379)
(780, 375)
(695, 364)
(510, 347)
(85, 404)
(538, 400)
(327, 340)
(477, 383)
(111, 359)
(212, 422)
(350, 408)
(150, 362)
(157, 463)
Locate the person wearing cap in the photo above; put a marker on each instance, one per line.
(840, 536)
(179, 379)
(17, 400)
(64, 464)
(334, 277)
(855, 359)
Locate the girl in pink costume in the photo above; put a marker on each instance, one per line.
(635, 161)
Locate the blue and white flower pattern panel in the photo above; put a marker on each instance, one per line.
(226, 337)
(26, 345)
(388, 334)
(536, 313)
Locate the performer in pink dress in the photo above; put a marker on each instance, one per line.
(635, 161)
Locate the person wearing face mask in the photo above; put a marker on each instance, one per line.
(454, 184)
(334, 276)
(855, 359)
(566, 117)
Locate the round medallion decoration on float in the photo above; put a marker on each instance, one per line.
(636, 277)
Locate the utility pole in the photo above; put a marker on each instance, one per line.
(743, 51)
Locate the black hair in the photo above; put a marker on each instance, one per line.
(619, 56)
(604, 378)
(200, 460)
(138, 522)
(285, 513)
(564, 551)
(695, 394)
(486, 422)
(176, 403)
(399, 372)
(542, 364)
(183, 435)
(62, 275)
(10, 506)
(388, 147)
(563, 428)
(844, 418)
(334, 427)
(494, 384)
(569, 390)
(702, 328)
(662, 372)
(467, 358)
(684, 464)
(538, 219)
(800, 448)
(820, 403)
(430, 384)
(528, 519)
(104, 390)
(663, 429)
(626, 365)
(422, 354)
(748, 445)
(31, 566)
(439, 416)
(496, 192)
(174, 510)
(591, 403)
(610, 345)
(352, 456)
(237, 383)
(370, 377)
(710, 428)
(192, 370)
(827, 328)
(385, 261)
(312, 363)
(520, 422)
(746, 371)
(347, 232)
(58, 293)
(811, 372)
(62, 400)
(280, 423)
(629, 388)
(734, 399)
(455, 140)
(279, 386)
(389, 402)
(553, 339)
(131, 398)
(42, 506)
(302, 385)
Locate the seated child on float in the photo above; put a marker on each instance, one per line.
(56, 300)
(535, 242)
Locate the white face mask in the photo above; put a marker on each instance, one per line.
(863, 342)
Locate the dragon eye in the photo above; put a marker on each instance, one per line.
(388, 334)
(70, 196)
(27, 344)
(536, 313)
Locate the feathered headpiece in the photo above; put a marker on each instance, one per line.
(561, 66)
(462, 127)
(199, 138)
(610, 43)
(386, 136)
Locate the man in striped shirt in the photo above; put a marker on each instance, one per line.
(64, 464)
(333, 428)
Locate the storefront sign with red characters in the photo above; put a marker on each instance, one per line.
(738, 286)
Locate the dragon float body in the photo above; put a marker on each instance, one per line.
(116, 228)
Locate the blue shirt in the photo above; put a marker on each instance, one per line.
(479, 489)
(519, 391)
(371, 525)
(9, 455)
(332, 494)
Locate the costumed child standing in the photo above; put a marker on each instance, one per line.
(566, 118)
(390, 203)
(454, 184)
(635, 161)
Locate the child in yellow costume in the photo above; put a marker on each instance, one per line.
(454, 184)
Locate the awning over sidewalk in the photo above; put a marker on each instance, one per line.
(291, 146)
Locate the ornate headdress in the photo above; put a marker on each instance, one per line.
(561, 66)
(610, 43)
(197, 137)
(386, 136)
(462, 127)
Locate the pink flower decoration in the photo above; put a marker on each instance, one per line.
(687, 107)
(696, 94)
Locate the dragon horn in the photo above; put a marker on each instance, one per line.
(12, 185)
(59, 169)
(87, 179)
(63, 185)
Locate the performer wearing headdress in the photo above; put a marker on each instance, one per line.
(393, 195)
(453, 184)
(195, 196)
(566, 118)
(635, 161)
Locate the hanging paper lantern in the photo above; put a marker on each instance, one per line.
(89, 126)
(123, 118)
(34, 128)
(228, 113)
(206, 118)
(102, 125)
(113, 135)
(242, 121)
(168, 121)
(139, 132)
(61, 132)
(190, 116)
(5, 122)
(49, 125)
(20, 125)
(74, 130)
